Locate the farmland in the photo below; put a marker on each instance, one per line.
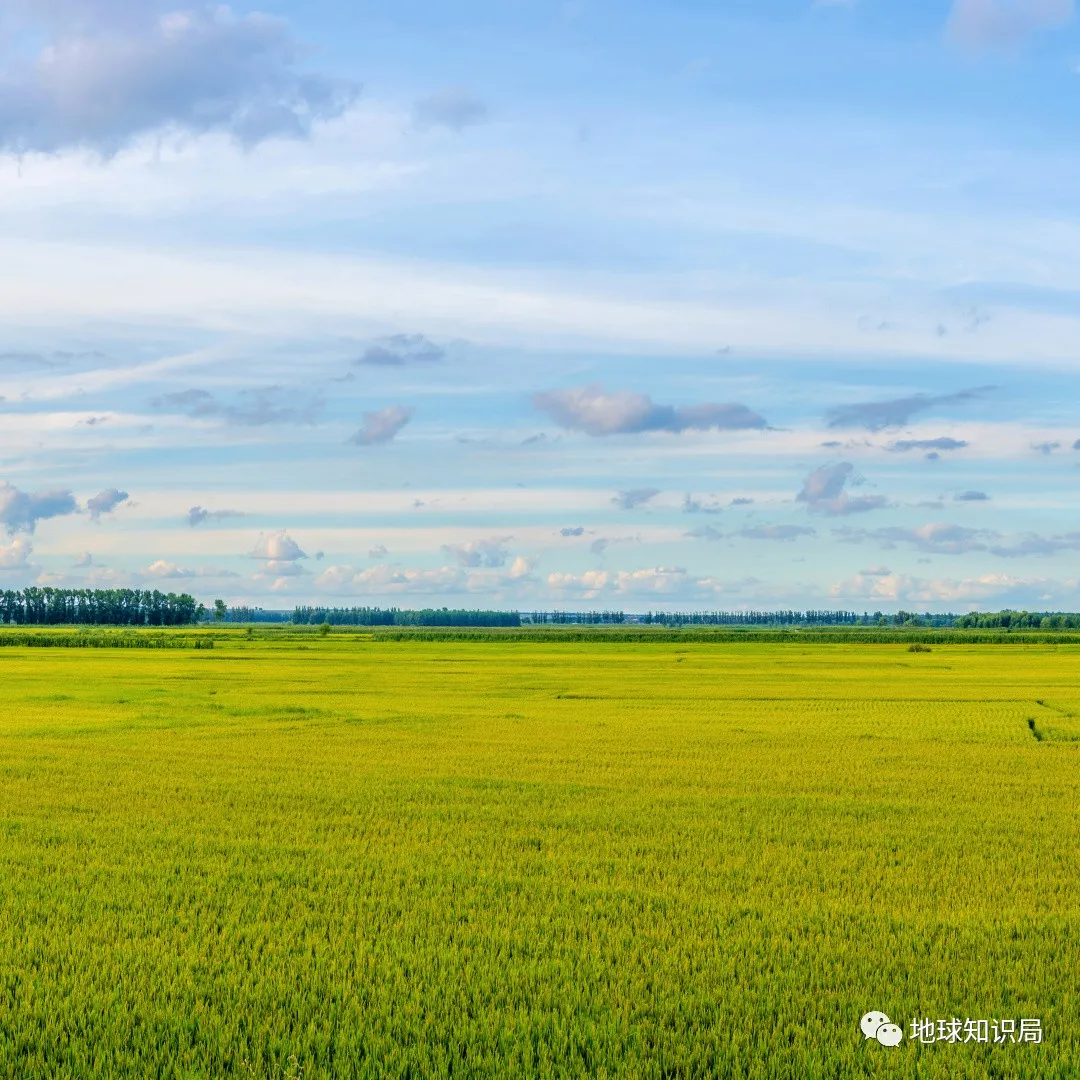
(339, 856)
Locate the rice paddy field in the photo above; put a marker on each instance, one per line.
(345, 857)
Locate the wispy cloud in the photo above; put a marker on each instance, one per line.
(257, 407)
(197, 515)
(878, 415)
(453, 107)
(400, 350)
(902, 446)
(1002, 23)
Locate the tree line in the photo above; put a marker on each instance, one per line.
(98, 607)
(373, 616)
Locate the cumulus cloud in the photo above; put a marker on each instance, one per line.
(878, 415)
(105, 502)
(823, 492)
(628, 500)
(902, 446)
(381, 426)
(254, 408)
(277, 547)
(971, 496)
(163, 569)
(16, 555)
(102, 79)
(20, 511)
(983, 24)
(378, 552)
(84, 559)
(401, 349)
(904, 588)
(589, 585)
(594, 411)
(480, 553)
(197, 515)
(453, 107)
(396, 580)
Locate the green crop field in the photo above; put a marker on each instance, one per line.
(337, 857)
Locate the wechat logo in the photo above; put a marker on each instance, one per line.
(876, 1025)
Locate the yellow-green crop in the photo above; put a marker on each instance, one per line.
(337, 858)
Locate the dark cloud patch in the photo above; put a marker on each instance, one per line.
(197, 515)
(1034, 545)
(25, 359)
(20, 511)
(776, 532)
(902, 446)
(629, 500)
(576, 531)
(879, 415)
(824, 492)
(454, 107)
(103, 81)
(1076, 445)
(260, 407)
(400, 350)
(971, 496)
(382, 425)
(1046, 448)
(596, 412)
(693, 505)
(105, 502)
(598, 547)
(706, 532)
(742, 502)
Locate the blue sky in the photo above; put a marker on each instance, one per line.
(543, 304)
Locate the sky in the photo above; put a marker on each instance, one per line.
(700, 304)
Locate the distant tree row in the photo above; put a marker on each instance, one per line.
(1019, 620)
(571, 618)
(373, 616)
(98, 607)
(752, 618)
(241, 614)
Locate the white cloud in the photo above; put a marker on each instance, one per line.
(904, 588)
(16, 555)
(277, 547)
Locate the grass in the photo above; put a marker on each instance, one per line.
(337, 857)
